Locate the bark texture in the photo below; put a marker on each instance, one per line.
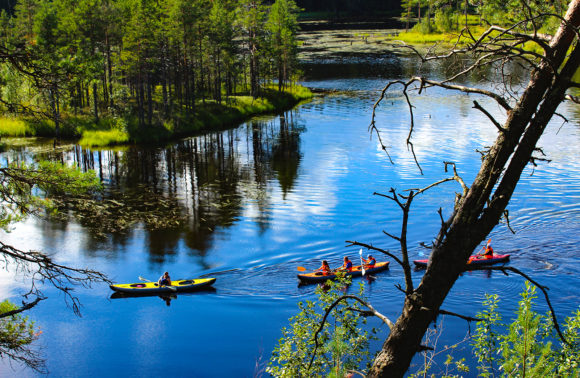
(481, 208)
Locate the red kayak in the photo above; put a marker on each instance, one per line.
(474, 260)
(356, 272)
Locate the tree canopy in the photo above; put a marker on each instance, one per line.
(146, 61)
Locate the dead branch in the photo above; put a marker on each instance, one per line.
(41, 268)
(491, 118)
(461, 88)
(405, 207)
(464, 317)
(373, 248)
(506, 215)
(25, 306)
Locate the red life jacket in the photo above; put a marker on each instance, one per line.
(488, 252)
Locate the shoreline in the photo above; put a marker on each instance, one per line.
(111, 131)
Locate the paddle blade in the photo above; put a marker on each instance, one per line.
(172, 288)
(360, 252)
(301, 269)
(144, 279)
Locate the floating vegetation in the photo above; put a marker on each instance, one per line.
(122, 211)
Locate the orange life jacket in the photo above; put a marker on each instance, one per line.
(324, 268)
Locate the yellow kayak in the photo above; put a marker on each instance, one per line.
(154, 288)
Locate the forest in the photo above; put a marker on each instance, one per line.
(145, 65)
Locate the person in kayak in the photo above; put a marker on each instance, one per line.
(370, 262)
(488, 254)
(347, 265)
(164, 280)
(324, 268)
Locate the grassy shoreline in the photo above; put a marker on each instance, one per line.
(111, 131)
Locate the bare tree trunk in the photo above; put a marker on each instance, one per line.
(472, 221)
(95, 102)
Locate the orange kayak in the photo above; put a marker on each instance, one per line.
(314, 277)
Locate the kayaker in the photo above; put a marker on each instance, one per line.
(324, 268)
(488, 254)
(164, 280)
(347, 265)
(369, 262)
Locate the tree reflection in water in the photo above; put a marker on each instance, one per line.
(185, 190)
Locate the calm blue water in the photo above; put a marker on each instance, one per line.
(275, 194)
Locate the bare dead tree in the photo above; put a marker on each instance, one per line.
(481, 205)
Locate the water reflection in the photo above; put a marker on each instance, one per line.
(189, 189)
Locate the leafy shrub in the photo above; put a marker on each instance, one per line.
(527, 346)
(423, 27)
(444, 20)
(343, 343)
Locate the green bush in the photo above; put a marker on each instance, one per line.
(423, 27)
(526, 346)
(17, 333)
(343, 344)
(444, 20)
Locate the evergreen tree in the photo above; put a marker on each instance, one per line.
(282, 25)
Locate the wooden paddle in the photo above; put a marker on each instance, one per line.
(362, 265)
(167, 286)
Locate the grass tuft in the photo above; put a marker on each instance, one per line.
(103, 138)
(14, 127)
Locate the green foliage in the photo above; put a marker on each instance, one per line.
(343, 344)
(526, 349)
(104, 138)
(15, 330)
(17, 333)
(150, 62)
(444, 19)
(282, 24)
(9, 126)
(423, 27)
(26, 188)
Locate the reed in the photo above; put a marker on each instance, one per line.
(14, 127)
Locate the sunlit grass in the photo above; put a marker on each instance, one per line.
(14, 127)
(413, 38)
(208, 115)
(103, 138)
(248, 105)
(299, 92)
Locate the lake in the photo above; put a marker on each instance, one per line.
(253, 203)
